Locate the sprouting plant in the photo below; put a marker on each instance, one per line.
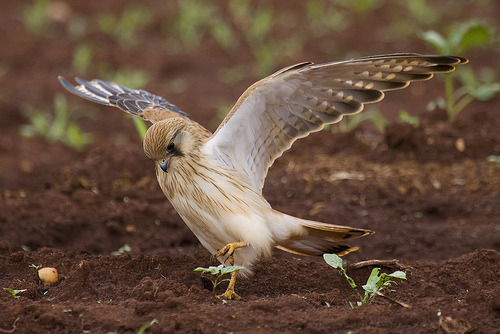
(144, 327)
(140, 126)
(197, 18)
(361, 6)
(35, 266)
(15, 293)
(374, 284)
(336, 262)
(378, 282)
(122, 250)
(494, 158)
(255, 24)
(61, 126)
(350, 122)
(423, 12)
(405, 117)
(82, 57)
(35, 16)
(124, 29)
(323, 18)
(218, 272)
(128, 77)
(464, 36)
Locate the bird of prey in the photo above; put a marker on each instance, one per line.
(214, 181)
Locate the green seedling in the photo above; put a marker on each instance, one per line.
(126, 27)
(140, 126)
(378, 282)
(336, 262)
(60, 126)
(195, 19)
(144, 327)
(35, 16)
(128, 77)
(82, 57)
(405, 117)
(35, 266)
(122, 250)
(15, 293)
(374, 284)
(218, 272)
(324, 18)
(361, 6)
(494, 158)
(350, 122)
(464, 36)
(423, 12)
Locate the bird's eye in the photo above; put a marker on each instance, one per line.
(170, 146)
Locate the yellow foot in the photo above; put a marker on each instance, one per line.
(229, 249)
(229, 295)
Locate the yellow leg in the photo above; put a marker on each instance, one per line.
(229, 251)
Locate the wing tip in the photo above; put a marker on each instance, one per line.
(83, 91)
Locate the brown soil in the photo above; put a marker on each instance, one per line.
(428, 192)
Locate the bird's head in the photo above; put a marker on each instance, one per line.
(168, 142)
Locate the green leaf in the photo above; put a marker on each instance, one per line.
(468, 77)
(334, 260)
(494, 158)
(140, 126)
(469, 35)
(230, 269)
(122, 250)
(436, 41)
(261, 25)
(486, 92)
(398, 274)
(146, 326)
(212, 270)
(405, 117)
(371, 283)
(82, 57)
(15, 292)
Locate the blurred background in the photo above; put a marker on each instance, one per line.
(201, 55)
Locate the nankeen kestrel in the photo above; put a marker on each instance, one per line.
(215, 181)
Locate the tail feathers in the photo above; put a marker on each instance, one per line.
(320, 238)
(316, 247)
(334, 232)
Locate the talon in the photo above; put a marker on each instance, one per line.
(229, 250)
(229, 295)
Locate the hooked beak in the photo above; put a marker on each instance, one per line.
(164, 165)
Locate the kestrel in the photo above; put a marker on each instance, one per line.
(214, 181)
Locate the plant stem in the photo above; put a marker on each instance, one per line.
(462, 104)
(450, 101)
(140, 126)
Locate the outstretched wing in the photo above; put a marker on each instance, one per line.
(298, 100)
(136, 102)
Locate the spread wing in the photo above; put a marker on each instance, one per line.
(295, 101)
(136, 102)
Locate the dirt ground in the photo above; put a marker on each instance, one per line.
(429, 193)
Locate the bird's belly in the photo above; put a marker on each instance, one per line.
(220, 213)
